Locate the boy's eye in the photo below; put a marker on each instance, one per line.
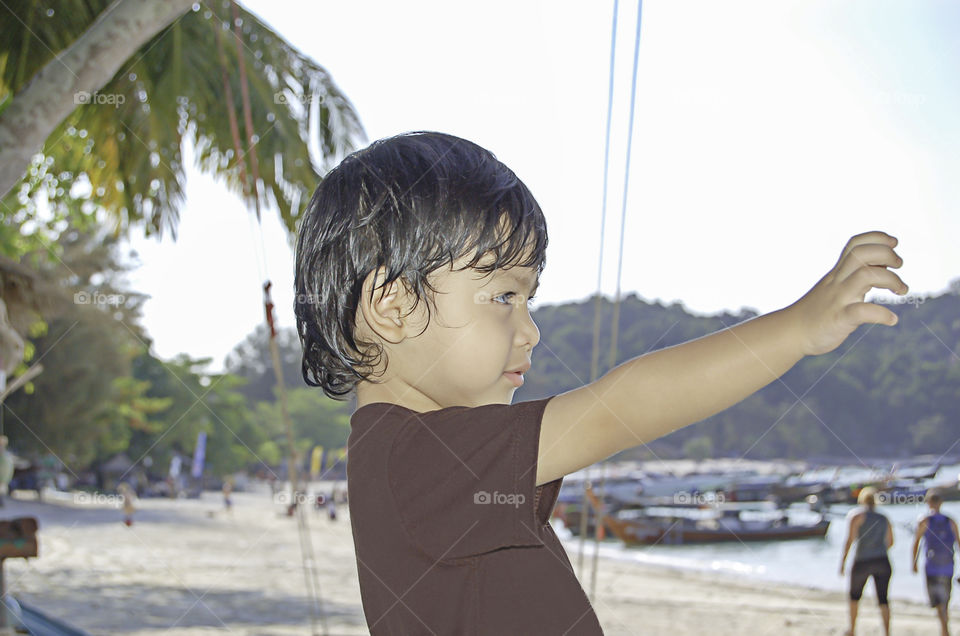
(510, 294)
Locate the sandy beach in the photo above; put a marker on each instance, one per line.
(189, 567)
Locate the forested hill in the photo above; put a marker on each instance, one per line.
(887, 391)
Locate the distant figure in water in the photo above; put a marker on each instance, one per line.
(939, 534)
(874, 537)
(128, 495)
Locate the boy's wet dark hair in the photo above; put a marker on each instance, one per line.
(413, 203)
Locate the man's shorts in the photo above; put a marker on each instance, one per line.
(938, 589)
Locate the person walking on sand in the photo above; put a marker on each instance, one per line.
(939, 534)
(874, 536)
(332, 506)
(128, 495)
(227, 489)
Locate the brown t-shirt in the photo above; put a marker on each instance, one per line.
(452, 534)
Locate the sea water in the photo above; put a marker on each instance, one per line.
(813, 562)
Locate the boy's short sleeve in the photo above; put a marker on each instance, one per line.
(464, 479)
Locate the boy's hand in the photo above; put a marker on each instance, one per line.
(834, 308)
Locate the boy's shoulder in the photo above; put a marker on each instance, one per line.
(452, 427)
(450, 430)
(372, 409)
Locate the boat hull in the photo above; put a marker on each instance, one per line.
(642, 532)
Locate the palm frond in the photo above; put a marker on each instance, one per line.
(128, 140)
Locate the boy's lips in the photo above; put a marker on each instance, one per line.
(513, 376)
(516, 375)
(521, 369)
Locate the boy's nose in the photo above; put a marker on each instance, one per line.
(528, 333)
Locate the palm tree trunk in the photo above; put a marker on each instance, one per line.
(84, 67)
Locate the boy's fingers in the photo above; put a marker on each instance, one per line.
(866, 278)
(867, 254)
(860, 313)
(875, 236)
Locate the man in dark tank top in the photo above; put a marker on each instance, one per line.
(939, 534)
(874, 536)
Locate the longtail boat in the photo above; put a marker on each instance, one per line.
(640, 527)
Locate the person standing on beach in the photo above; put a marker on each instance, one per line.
(127, 495)
(939, 534)
(332, 507)
(874, 536)
(227, 489)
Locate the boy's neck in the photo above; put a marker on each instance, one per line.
(368, 393)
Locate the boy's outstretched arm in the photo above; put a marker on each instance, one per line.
(656, 393)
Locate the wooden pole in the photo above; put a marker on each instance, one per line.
(30, 373)
(282, 394)
(4, 626)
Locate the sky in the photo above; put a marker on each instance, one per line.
(765, 135)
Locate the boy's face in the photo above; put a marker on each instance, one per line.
(480, 329)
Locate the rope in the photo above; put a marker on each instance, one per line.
(231, 116)
(614, 329)
(594, 361)
(239, 157)
(247, 117)
(252, 188)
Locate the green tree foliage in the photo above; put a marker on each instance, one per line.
(251, 360)
(129, 409)
(700, 447)
(124, 155)
(199, 402)
(86, 351)
(121, 160)
(929, 433)
(316, 420)
(102, 392)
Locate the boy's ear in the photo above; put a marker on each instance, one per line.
(381, 309)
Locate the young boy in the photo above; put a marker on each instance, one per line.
(939, 534)
(416, 259)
